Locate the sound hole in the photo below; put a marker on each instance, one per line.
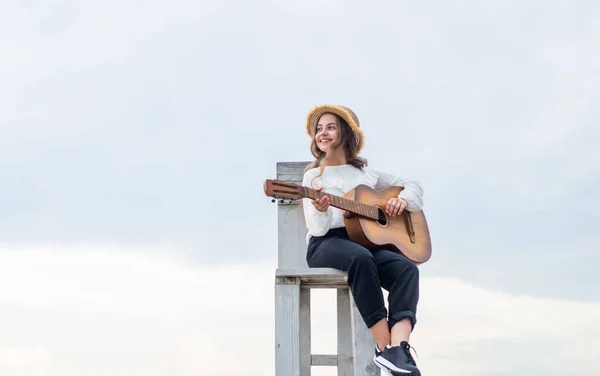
(382, 220)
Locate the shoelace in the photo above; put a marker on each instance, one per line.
(408, 354)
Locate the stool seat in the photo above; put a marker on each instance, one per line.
(316, 277)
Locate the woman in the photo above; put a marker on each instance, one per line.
(336, 143)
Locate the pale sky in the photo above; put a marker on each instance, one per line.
(135, 137)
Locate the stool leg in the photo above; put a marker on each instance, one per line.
(363, 345)
(344, 333)
(305, 330)
(287, 327)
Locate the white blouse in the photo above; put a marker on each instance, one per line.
(338, 180)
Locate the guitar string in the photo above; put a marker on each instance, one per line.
(367, 210)
(361, 208)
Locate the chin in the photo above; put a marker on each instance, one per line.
(324, 148)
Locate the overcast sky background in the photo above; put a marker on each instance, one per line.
(135, 137)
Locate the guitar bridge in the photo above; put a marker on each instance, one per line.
(409, 226)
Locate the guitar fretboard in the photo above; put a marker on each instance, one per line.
(352, 206)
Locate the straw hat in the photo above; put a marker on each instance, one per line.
(344, 112)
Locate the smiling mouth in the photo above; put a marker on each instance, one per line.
(325, 141)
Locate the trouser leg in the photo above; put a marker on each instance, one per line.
(400, 277)
(340, 253)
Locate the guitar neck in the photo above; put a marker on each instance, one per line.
(352, 206)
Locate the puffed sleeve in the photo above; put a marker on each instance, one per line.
(318, 223)
(412, 192)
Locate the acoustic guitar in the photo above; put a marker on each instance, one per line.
(369, 226)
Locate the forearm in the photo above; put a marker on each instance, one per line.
(317, 222)
(412, 194)
(412, 191)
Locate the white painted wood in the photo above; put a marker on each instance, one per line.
(287, 326)
(324, 360)
(290, 217)
(317, 277)
(305, 330)
(292, 168)
(291, 237)
(313, 273)
(363, 345)
(344, 333)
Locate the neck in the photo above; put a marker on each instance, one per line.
(336, 157)
(356, 207)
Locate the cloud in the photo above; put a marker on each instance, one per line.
(126, 313)
(102, 310)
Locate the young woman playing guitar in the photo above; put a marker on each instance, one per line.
(336, 143)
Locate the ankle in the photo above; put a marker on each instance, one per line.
(400, 332)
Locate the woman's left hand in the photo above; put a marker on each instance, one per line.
(395, 206)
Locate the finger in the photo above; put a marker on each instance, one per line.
(399, 207)
(318, 205)
(318, 193)
(323, 203)
(402, 206)
(388, 206)
(395, 209)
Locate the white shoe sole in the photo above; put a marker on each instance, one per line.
(387, 370)
(381, 367)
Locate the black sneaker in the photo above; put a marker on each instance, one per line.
(397, 360)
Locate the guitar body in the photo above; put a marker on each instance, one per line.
(406, 234)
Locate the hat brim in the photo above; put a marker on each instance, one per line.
(344, 112)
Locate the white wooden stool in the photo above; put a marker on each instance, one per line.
(293, 282)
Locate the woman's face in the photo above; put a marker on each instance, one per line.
(327, 132)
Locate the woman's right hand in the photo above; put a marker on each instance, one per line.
(321, 204)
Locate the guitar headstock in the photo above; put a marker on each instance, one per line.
(279, 189)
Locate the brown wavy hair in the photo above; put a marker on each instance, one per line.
(349, 143)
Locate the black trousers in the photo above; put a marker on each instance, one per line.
(368, 272)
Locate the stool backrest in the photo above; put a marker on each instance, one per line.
(291, 243)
